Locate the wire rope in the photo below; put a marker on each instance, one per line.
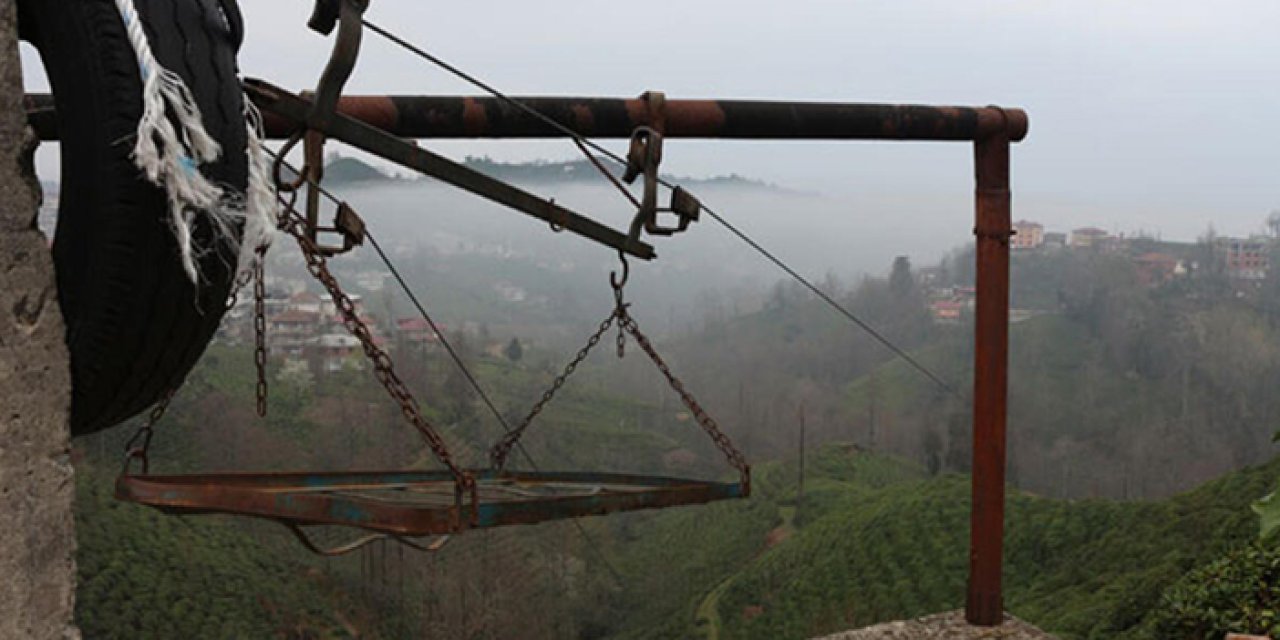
(586, 145)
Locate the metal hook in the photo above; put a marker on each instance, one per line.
(617, 283)
(277, 167)
(551, 207)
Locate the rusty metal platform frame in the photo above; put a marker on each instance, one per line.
(991, 130)
(416, 503)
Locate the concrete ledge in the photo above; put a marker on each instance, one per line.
(37, 535)
(944, 626)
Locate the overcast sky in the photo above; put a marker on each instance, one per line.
(1155, 114)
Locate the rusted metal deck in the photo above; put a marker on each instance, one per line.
(416, 503)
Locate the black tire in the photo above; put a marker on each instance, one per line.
(135, 324)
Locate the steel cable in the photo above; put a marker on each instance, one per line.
(586, 144)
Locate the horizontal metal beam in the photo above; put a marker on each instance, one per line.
(470, 117)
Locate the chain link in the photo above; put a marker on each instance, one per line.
(498, 454)
(241, 281)
(384, 370)
(140, 443)
(260, 328)
(622, 335)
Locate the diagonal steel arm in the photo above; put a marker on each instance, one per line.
(384, 145)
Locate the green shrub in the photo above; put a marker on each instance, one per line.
(1239, 592)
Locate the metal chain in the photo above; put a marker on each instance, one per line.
(627, 325)
(709, 425)
(622, 335)
(498, 454)
(139, 444)
(258, 276)
(384, 370)
(619, 306)
(260, 329)
(241, 281)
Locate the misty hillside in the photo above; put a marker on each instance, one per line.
(1118, 389)
(886, 496)
(347, 171)
(1126, 394)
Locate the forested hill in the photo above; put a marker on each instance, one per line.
(1118, 388)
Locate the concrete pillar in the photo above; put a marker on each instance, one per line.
(37, 533)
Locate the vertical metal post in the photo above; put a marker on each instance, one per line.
(993, 227)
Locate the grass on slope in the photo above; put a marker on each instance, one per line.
(1089, 569)
(146, 575)
(674, 561)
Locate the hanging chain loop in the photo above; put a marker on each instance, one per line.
(140, 443)
(708, 424)
(384, 370)
(627, 325)
(498, 454)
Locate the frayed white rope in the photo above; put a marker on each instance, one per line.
(261, 209)
(170, 157)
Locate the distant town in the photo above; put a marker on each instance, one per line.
(1244, 262)
(304, 327)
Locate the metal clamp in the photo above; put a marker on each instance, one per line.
(346, 223)
(643, 158)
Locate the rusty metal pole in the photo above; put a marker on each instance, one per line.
(993, 226)
(440, 117)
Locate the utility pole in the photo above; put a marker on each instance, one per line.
(871, 411)
(742, 413)
(800, 483)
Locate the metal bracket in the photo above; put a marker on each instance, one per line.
(347, 16)
(346, 223)
(643, 158)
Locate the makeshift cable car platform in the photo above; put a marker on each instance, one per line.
(418, 503)
(409, 504)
